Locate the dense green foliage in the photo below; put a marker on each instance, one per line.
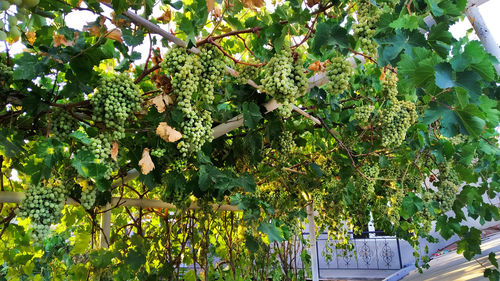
(403, 131)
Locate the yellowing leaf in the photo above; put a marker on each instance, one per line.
(168, 133)
(161, 101)
(115, 34)
(252, 3)
(114, 150)
(31, 36)
(146, 163)
(60, 39)
(165, 17)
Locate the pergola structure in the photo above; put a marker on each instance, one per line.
(472, 13)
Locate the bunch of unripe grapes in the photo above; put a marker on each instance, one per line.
(158, 152)
(395, 121)
(88, 196)
(286, 145)
(62, 123)
(339, 71)
(196, 130)
(363, 113)
(43, 204)
(115, 100)
(13, 32)
(194, 77)
(448, 185)
(101, 147)
(245, 73)
(285, 79)
(214, 67)
(390, 86)
(364, 30)
(371, 172)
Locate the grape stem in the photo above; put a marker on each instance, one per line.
(211, 41)
(341, 144)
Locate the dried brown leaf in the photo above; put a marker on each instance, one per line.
(146, 163)
(114, 150)
(161, 101)
(115, 34)
(166, 16)
(168, 133)
(60, 39)
(210, 5)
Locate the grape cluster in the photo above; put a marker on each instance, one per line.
(187, 71)
(115, 100)
(62, 123)
(285, 79)
(390, 86)
(43, 204)
(363, 113)
(245, 73)
(447, 187)
(212, 61)
(158, 152)
(174, 59)
(371, 171)
(364, 30)
(339, 71)
(395, 121)
(14, 32)
(89, 194)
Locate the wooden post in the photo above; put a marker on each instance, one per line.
(312, 242)
(105, 227)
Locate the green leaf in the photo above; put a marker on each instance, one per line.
(492, 274)
(135, 259)
(132, 39)
(410, 205)
(29, 67)
(251, 243)
(329, 34)
(470, 243)
(489, 107)
(190, 276)
(251, 114)
(444, 75)
(274, 234)
(81, 137)
(493, 260)
(316, 169)
(410, 22)
(86, 165)
(119, 6)
(473, 124)
(81, 242)
(436, 10)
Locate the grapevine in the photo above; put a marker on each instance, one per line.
(43, 204)
(371, 171)
(447, 187)
(364, 30)
(339, 71)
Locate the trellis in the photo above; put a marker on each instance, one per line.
(472, 13)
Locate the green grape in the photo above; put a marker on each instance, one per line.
(101, 146)
(448, 185)
(187, 71)
(158, 152)
(62, 124)
(363, 113)
(285, 79)
(395, 121)
(212, 61)
(245, 73)
(390, 86)
(364, 30)
(174, 59)
(286, 146)
(87, 199)
(339, 71)
(43, 204)
(371, 171)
